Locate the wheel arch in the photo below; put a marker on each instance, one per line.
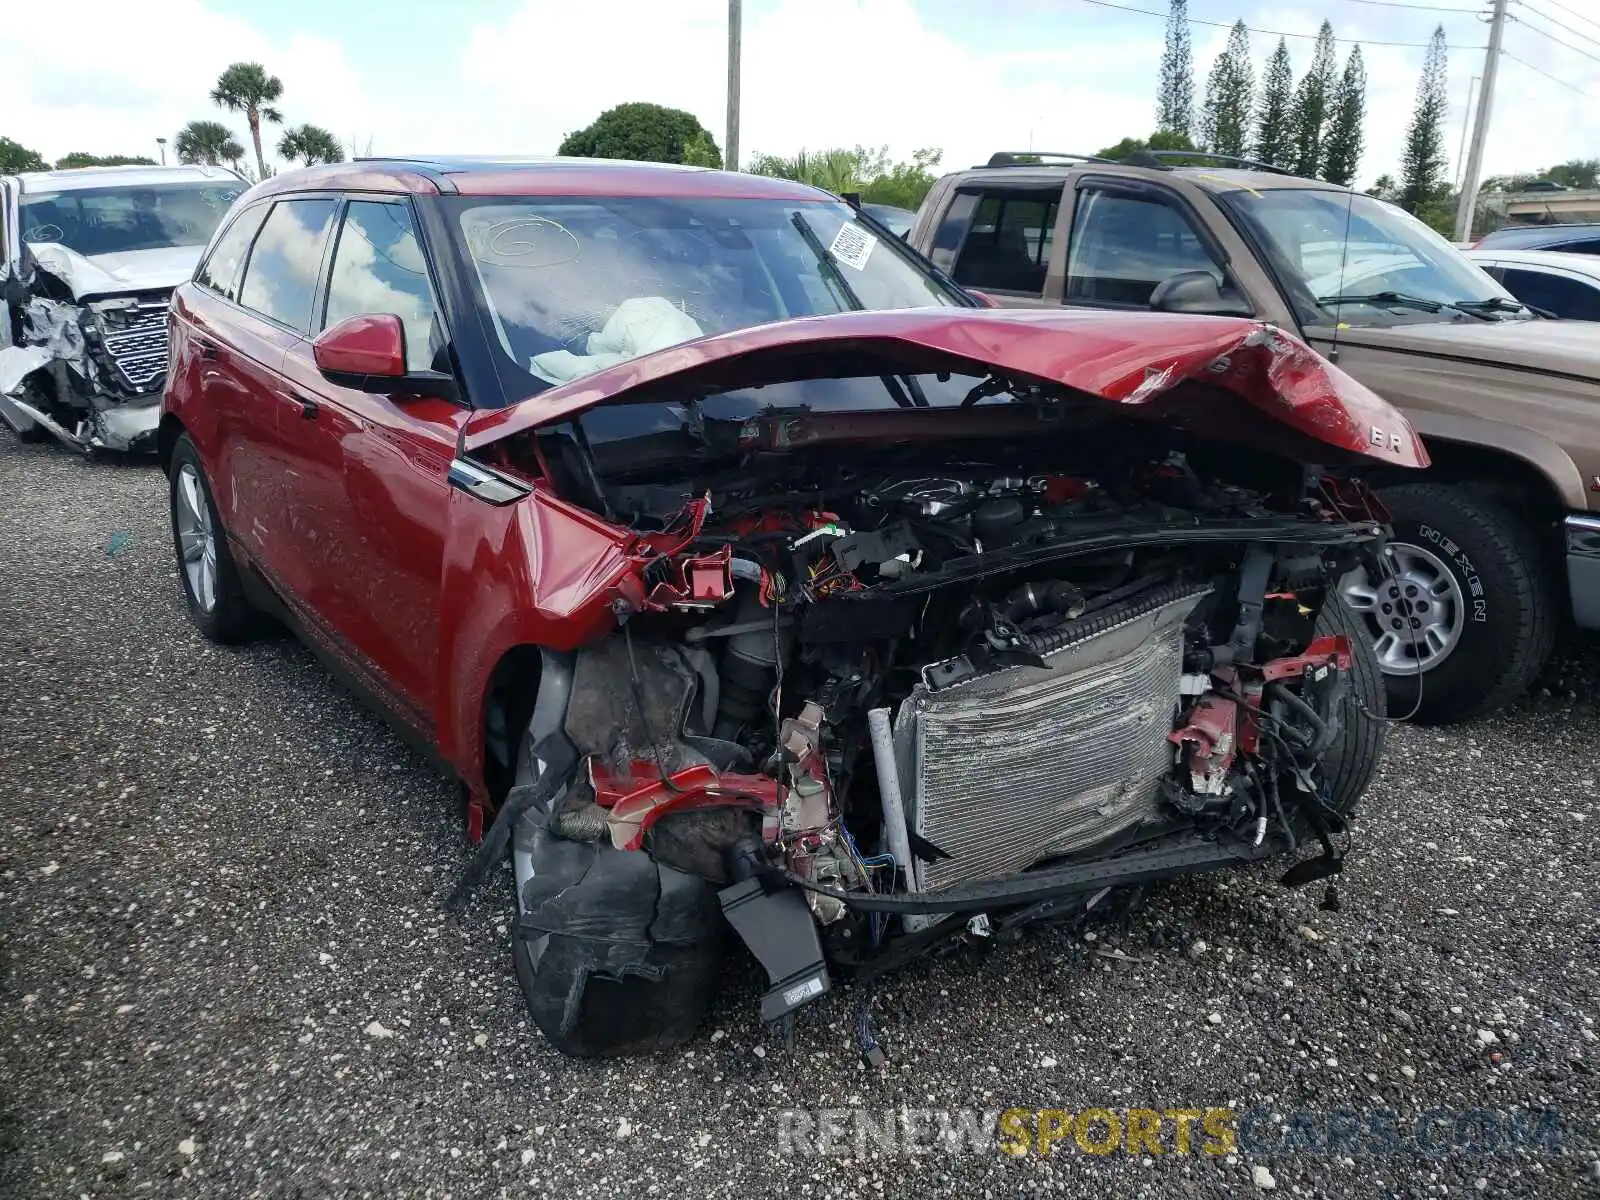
(167, 435)
(508, 703)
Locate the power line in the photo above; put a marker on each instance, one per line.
(1547, 17)
(1421, 7)
(1541, 71)
(1570, 12)
(1267, 32)
(1558, 41)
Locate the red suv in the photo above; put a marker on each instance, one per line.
(748, 574)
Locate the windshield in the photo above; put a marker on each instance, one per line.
(1333, 244)
(575, 285)
(115, 220)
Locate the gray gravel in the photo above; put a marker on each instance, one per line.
(217, 872)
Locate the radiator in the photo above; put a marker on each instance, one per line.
(1031, 763)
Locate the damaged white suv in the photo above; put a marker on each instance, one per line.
(88, 262)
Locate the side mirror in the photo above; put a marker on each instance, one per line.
(983, 298)
(368, 353)
(1197, 292)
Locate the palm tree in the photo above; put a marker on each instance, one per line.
(835, 170)
(247, 88)
(310, 144)
(209, 142)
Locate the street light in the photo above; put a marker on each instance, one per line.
(162, 142)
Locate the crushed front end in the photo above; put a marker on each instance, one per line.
(882, 679)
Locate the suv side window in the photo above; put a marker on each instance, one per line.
(378, 268)
(1565, 297)
(220, 272)
(280, 280)
(1589, 246)
(1007, 247)
(1122, 246)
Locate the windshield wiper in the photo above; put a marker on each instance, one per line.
(825, 261)
(1401, 300)
(1501, 304)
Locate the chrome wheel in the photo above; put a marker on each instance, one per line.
(1414, 615)
(197, 543)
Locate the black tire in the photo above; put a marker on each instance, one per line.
(231, 618)
(1511, 612)
(627, 951)
(1353, 758)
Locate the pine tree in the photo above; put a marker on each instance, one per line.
(1273, 144)
(1342, 153)
(1309, 115)
(1175, 103)
(1422, 162)
(1230, 91)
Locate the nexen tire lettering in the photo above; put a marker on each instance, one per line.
(1463, 565)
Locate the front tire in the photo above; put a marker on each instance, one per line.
(615, 953)
(210, 578)
(1353, 758)
(1468, 618)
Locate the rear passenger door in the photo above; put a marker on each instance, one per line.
(1001, 240)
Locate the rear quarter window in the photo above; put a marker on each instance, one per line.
(220, 272)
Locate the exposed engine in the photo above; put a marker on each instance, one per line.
(895, 682)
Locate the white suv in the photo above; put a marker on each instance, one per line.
(88, 261)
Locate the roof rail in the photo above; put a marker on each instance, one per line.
(1034, 158)
(1231, 159)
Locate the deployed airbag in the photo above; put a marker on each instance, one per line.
(638, 326)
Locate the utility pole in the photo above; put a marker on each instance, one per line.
(162, 142)
(1466, 126)
(1480, 126)
(730, 150)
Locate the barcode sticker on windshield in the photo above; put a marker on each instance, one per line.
(852, 246)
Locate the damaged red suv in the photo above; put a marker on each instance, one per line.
(750, 576)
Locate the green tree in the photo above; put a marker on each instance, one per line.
(1273, 143)
(245, 87)
(1581, 173)
(1422, 161)
(837, 170)
(1342, 152)
(701, 151)
(208, 142)
(1175, 99)
(1309, 115)
(1230, 93)
(16, 157)
(1161, 139)
(79, 159)
(642, 132)
(904, 185)
(1385, 188)
(308, 144)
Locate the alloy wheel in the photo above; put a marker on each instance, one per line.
(1414, 614)
(197, 543)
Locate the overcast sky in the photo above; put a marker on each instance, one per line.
(969, 76)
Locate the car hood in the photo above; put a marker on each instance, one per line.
(1123, 358)
(113, 274)
(1563, 347)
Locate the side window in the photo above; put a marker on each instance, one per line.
(952, 229)
(1591, 246)
(1123, 246)
(378, 268)
(1007, 249)
(280, 280)
(220, 273)
(1565, 297)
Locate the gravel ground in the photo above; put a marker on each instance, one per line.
(224, 970)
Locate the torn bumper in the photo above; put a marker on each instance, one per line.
(1583, 569)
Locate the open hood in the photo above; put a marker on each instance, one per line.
(1123, 358)
(89, 276)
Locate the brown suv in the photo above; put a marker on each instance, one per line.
(1504, 529)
